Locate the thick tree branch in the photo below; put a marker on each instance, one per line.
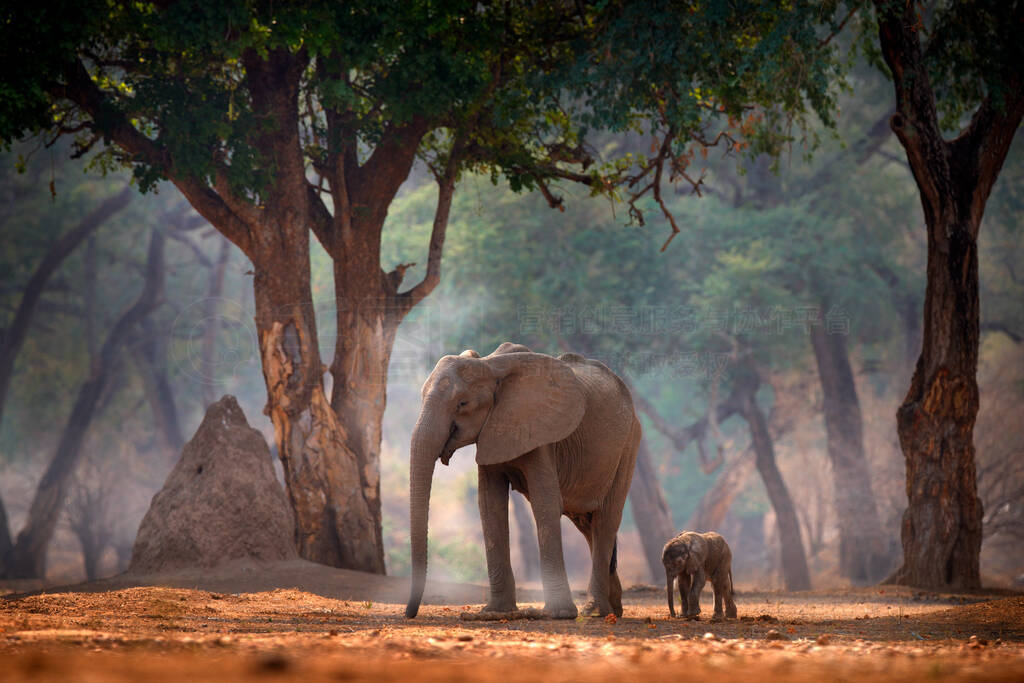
(81, 90)
(445, 192)
(681, 438)
(198, 253)
(321, 222)
(376, 182)
(862, 150)
(982, 147)
(916, 121)
(1000, 327)
(13, 337)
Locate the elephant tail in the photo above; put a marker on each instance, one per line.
(615, 556)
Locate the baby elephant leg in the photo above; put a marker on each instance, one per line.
(722, 583)
(684, 593)
(730, 604)
(696, 586)
(719, 586)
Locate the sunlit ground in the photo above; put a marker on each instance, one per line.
(329, 629)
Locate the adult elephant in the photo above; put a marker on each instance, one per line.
(562, 431)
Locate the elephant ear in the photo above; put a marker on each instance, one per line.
(538, 400)
(698, 552)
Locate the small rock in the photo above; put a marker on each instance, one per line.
(775, 635)
(710, 636)
(823, 639)
(465, 638)
(224, 641)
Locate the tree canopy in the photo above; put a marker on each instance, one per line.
(174, 86)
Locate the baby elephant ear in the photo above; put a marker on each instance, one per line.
(538, 401)
(469, 353)
(697, 552)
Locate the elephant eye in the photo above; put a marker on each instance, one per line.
(463, 404)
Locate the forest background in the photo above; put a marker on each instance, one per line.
(780, 256)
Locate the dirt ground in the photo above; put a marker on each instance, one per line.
(296, 620)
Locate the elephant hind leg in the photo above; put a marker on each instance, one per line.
(730, 603)
(605, 588)
(584, 522)
(615, 586)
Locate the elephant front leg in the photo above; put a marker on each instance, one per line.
(684, 593)
(545, 498)
(492, 497)
(693, 601)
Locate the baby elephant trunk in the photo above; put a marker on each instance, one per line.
(669, 576)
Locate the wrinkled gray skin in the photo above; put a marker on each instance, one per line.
(562, 431)
(695, 559)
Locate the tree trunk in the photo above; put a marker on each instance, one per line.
(153, 359)
(794, 561)
(650, 511)
(526, 530)
(88, 534)
(942, 526)
(12, 338)
(367, 323)
(368, 305)
(715, 504)
(91, 553)
(27, 558)
(862, 556)
(5, 534)
(333, 521)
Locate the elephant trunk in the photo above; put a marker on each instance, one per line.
(668, 593)
(429, 438)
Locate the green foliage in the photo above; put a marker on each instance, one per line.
(693, 60)
(972, 51)
(526, 82)
(36, 40)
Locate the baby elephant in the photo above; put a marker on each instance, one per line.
(696, 558)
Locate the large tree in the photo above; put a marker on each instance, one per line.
(277, 119)
(955, 68)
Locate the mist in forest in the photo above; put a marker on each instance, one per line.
(752, 263)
